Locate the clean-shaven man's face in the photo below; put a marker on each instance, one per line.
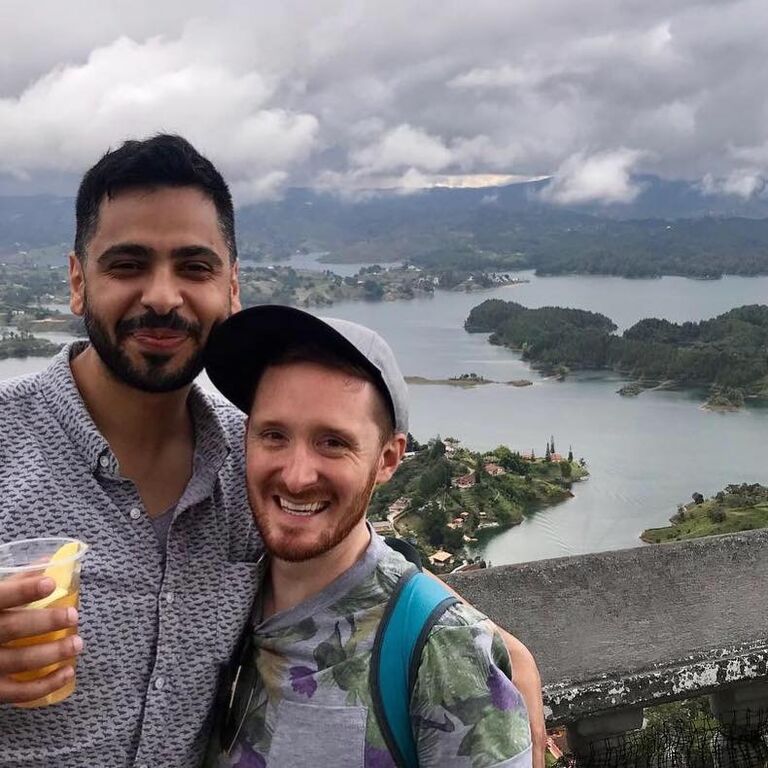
(156, 279)
(314, 453)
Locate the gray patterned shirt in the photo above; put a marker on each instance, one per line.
(156, 630)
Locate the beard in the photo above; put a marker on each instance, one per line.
(154, 376)
(280, 546)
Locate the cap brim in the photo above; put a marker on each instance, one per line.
(243, 345)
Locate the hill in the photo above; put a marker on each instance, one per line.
(444, 495)
(726, 354)
(736, 508)
(672, 228)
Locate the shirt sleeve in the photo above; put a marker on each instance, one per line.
(465, 710)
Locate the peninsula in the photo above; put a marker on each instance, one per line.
(741, 507)
(726, 354)
(447, 498)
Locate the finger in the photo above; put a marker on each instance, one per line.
(16, 592)
(12, 692)
(32, 657)
(19, 623)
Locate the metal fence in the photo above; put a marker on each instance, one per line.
(690, 738)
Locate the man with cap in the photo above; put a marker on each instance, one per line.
(114, 444)
(327, 422)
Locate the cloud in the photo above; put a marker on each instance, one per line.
(504, 76)
(355, 93)
(67, 118)
(602, 177)
(741, 183)
(403, 146)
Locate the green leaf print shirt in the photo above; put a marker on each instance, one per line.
(310, 703)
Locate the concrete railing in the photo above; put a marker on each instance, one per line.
(615, 632)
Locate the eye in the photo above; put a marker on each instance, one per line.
(333, 444)
(271, 437)
(197, 268)
(125, 266)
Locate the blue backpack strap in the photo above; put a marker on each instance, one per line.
(416, 604)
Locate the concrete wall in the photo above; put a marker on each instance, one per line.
(620, 628)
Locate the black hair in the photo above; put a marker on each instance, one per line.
(161, 161)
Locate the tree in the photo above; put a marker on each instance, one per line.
(697, 498)
(565, 469)
(372, 290)
(570, 454)
(480, 473)
(437, 449)
(411, 444)
(435, 521)
(717, 515)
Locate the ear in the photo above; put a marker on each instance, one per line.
(76, 285)
(234, 287)
(391, 456)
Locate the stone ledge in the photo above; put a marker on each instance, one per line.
(569, 701)
(631, 627)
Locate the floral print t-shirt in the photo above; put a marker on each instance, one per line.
(306, 700)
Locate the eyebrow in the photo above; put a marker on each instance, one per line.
(142, 251)
(254, 427)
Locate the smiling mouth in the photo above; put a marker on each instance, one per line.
(301, 510)
(159, 337)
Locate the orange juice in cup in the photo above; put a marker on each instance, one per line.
(58, 559)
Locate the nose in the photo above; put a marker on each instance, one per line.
(162, 292)
(300, 470)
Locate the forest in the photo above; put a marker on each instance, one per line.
(728, 352)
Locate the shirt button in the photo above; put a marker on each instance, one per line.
(104, 461)
(169, 598)
(135, 513)
(160, 683)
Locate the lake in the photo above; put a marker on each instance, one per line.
(645, 454)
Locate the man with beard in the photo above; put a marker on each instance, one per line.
(327, 422)
(114, 445)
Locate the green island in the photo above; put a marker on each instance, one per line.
(21, 344)
(726, 354)
(273, 284)
(466, 380)
(446, 498)
(736, 508)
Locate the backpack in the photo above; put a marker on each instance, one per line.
(414, 608)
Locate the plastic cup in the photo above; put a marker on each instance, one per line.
(59, 559)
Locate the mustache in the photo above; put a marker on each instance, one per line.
(172, 322)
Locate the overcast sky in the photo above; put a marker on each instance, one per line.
(357, 94)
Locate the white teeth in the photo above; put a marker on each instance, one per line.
(301, 510)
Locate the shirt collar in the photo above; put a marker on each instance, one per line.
(212, 444)
(66, 405)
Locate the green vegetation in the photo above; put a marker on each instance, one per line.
(736, 508)
(306, 288)
(445, 495)
(465, 380)
(478, 230)
(726, 353)
(25, 345)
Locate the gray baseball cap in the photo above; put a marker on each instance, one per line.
(245, 344)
